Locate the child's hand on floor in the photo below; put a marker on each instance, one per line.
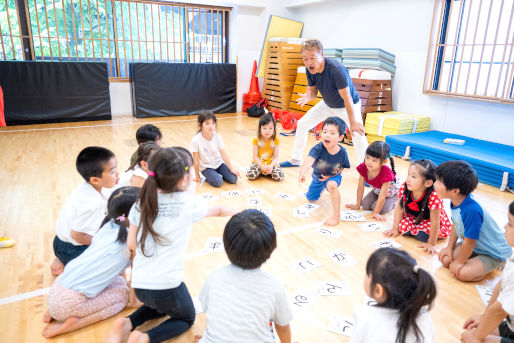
(472, 322)
(235, 172)
(352, 206)
(392, 233)
(445, 256)
(428, 248)
(378, 217)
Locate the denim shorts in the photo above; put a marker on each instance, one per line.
(318, 186)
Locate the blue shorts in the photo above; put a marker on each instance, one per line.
(318, 186)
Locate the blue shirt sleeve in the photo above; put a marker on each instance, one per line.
(346, 162)
(316, 151)
(472, 218)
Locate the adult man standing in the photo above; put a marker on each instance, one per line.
(339, 99)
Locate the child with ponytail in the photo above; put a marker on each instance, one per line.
(404, 293)
(160, 227)
(382, 179)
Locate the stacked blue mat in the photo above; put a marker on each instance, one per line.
(490, 160)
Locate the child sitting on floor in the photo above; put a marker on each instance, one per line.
(328, 160)
(495, 324)
(91, 288)
(240, 299)
(85, 208)
(477, 245)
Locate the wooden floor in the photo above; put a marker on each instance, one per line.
(37, 173)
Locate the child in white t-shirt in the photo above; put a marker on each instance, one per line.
(160, 227)
(404, 293)
(496, 324)
(210, 157)
(86, 207)
(92, 286)
(137, 173)
(240, 299)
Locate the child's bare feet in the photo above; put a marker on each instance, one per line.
(120, 331)
(47, 318)
(138, 337)
(56, 328)
(57, 267)
(332, 221)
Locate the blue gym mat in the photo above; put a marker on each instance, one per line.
(490, 160)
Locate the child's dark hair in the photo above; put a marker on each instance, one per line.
(427, 170)
(143, 153)
(167, 167)
(118, 207)
(185, 153)
(148, 133)
(381, 150)
(457, 175)
(265, 120)
(511, 208)
(91, 161)
(249, 239)
(203, 116)
(336, 121)
(407, 287)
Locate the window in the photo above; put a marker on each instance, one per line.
(470, 52)
(117, 32)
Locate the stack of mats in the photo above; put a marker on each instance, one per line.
(493, 162)
(369, 59)
(381, 124)
(333, 53)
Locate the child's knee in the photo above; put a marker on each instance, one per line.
(231, 179)
(215, 181)
(332, 186)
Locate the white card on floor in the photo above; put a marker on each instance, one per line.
(198, 305)
(300, 212)
(302, 300)
(310, 206)
(208, 196)
(352, 216)
(332, 288)
(341, 257)
(325, 231)
(385, 243)
(372, 227)
(340, 325)
(485, 293)
(284, 196)
(304, 264)
(369, 301)
(213, 244)
(232, 193)
(266, 210)
(254, 202)
(255, 191)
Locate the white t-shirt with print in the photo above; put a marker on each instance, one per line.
(506, 296)
(240, 303)
(83, 211)
(163, 268)
(208, 151)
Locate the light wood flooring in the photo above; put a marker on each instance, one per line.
(37, 173)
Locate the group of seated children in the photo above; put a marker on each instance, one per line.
(149, 228)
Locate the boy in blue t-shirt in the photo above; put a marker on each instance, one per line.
(477, 245)
(328, 159)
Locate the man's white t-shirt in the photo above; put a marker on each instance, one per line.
(83, 211)
(163, 267)
(208, 151)
(240, 303)
(506, 296)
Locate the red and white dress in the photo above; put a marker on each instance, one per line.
(407, 223)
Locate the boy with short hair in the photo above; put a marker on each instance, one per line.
(328, 160)
(86, 207)
(146, 133)
(477, 245)
(495, 324)
(240, 299)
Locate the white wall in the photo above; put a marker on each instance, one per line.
(402, 27)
